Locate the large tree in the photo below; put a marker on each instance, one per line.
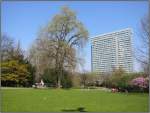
(144, 56)
(58, 41)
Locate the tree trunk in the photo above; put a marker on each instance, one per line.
(60, 74)
(59, 82)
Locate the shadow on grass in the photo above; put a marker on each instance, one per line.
(79, 109)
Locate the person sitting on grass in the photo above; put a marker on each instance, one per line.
(39, 85)
(114, 90)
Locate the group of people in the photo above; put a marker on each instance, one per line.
(120, 90)
(39, 85)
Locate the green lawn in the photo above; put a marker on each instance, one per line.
(50, 100)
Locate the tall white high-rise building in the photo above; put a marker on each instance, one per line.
(111, 51)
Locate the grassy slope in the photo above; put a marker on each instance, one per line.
(46, 100)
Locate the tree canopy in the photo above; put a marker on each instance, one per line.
(15, 69)
(57, 44)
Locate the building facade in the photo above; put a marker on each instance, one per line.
(111, 51)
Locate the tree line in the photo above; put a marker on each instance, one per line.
(53, 52)
(16, 70)
(53, 56)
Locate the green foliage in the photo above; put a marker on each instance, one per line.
(118, 79)
(121, 80)
(49, 77)
(90, 79)
(66, 81)
(13, 71)
(76, 80)
(31, 70)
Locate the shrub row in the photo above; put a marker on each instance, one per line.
(131, 82)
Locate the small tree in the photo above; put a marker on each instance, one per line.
(76, 80)
(14, 73)
(83, 78)
(116, 77)
(15, 69)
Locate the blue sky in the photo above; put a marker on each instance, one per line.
(22, 20)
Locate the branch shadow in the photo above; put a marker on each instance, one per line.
(79, 109)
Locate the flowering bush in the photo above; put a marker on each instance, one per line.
(131, 82)
(140, 82)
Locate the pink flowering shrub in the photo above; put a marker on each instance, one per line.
(140, 82)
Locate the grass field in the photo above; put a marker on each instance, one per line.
(50, 100)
